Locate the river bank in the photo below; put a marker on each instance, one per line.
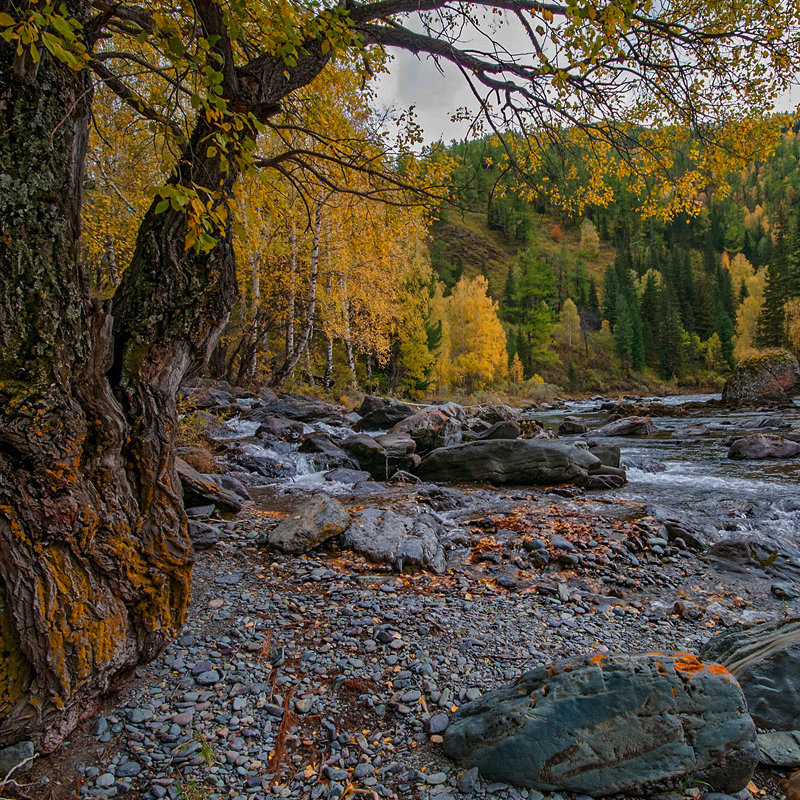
(326, 675)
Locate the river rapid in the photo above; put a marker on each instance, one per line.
(690, 479)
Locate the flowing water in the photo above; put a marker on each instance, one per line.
(690, 478)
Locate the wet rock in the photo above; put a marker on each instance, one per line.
(643, 464)
(254, 459)
(323, 444)
(602, 725)
(764, 659)
(509, 461)
(766, 376)
(437, 426)
(572, 426)
(497, 413)
(300, 408)
(199, 489)
(380, 413)
(692, 429)
(627, 426)
(347, 476)
(208, 397)
(500, 430)
(318, 519)
(607, 454)
(391, 538)
(272, 427)
(763, 445)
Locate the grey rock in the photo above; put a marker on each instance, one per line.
(437, 426)
(437, 723)
(692, 429)
(13, 755)
(572, 426)
(199, 489)
(767, 376)
(780, 748)
(764, 659)
(509, 461)
(601, 725)
(105, 780)
(379, 413)
(208, 678)
(388, 537)
(627, 426)
(318, 519)
(203, 535)
(467, 780)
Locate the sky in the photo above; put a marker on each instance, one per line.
(417, 82)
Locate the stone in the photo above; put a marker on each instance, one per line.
(385, 536)
(509, 461)
(572, 426)
(199, 489)
(437, 724)
(271, 427)
(601, 725)
(627, 426)
(13, 756)
(318, 519)
(380, 413)
(208, 678)
(692, 429)
(203, 535)
(500, 430)
(373, 457)
(767, 376)
(764, 659)
(343, 475)
(437, 426)
(780, 748)
(299, 408)
(763, 445)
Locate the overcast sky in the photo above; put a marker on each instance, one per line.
(417, 81)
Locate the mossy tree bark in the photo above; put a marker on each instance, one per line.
(95, 561)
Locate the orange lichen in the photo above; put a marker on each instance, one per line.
(598, 659)
(687, 664)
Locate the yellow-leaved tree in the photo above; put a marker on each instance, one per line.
(473, 353)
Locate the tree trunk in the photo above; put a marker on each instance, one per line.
(96, 561)
(280, 375)
(326, 380)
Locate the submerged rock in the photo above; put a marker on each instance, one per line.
(509, 461)
(390, 538)
(764, 659)
(602, 725)
(315, 521)
(767, 376)
(627, 426)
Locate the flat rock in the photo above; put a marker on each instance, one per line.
(509, 461)
(14, 756)
(764, 658)
(387, 537)
(780, 748)
(602, 725)
(318, 519)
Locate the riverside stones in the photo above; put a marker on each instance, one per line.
(768, 376)
(509, 461)
(764, 659)
(317, 520)
(437, 426)
(388, 537)
(199, 489)
(601, 725)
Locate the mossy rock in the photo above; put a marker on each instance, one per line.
(771, 375)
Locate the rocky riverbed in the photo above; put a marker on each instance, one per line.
(335, 673)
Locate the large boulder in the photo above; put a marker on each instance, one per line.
(300, 408)
(318, 519)
(603, 725)
(380, 413)
(437, 426)
(572, 426)
(381, 456)
(765, 660)
(771, 375)
(763, 445)
(511, 461)
(627, 426)
(387, 537)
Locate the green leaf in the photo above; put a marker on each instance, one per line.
(162, 206)
(5, 20)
